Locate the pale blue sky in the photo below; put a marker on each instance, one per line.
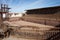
(21, 5)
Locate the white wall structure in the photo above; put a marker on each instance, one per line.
(16, 15)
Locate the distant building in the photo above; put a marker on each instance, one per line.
(47, 10)
(15, 15)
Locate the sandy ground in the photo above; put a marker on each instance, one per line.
(24, 24)
(15, 38)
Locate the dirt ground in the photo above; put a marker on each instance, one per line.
(23, 36)
(16, 38)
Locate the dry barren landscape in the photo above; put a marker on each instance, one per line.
(23, 30)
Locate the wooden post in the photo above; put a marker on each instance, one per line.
(1, 13)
